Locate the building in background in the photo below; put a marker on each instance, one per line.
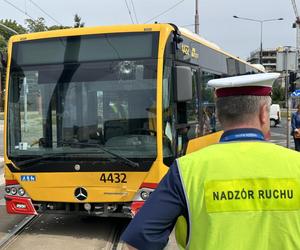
(268, 58)
(269, 61)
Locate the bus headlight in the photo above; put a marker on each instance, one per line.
(21, 191)
(7, 190)
(13, 191)
(145, 195)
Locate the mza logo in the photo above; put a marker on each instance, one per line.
(28, 178)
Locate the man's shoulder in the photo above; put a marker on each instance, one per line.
(278, 152)
(200, 152)
(217, 148)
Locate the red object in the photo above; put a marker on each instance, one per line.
(11, 182)
(149, 185)
(248, 90)
(19, 205)
(136, 206)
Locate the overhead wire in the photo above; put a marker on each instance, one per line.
(129, 11)
(164, 12)
(17, 8)
(25, 5)
(134, 12)
(48, 15)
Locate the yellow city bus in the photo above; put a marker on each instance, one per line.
(95, 116)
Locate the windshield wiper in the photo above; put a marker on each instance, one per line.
(123, 159)
(36, 159)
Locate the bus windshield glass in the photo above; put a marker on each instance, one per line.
(76, 94)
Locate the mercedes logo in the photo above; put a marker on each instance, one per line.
(80, 193)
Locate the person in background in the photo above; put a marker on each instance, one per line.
(295, 123)
(240, 193)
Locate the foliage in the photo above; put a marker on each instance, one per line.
(58, 27)
(36, 25)
(13, 25)
(77, 21)
(278, 94)
(39, 25)
(3, 44)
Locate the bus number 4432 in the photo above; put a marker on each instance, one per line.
(113, 178)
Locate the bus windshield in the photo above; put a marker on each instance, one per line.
(68, 94)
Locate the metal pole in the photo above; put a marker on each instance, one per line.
(10, 29)
(297, 44)
(287, 98)
(197, 18)
(25, 86)
(288, 118)
(261, 47)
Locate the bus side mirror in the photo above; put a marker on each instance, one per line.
(3, 60)
(183, 84)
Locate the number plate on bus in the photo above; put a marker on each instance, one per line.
(113, 178)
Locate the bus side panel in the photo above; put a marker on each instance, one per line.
(156, 173)
(204, 141)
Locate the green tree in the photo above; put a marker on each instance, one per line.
(3, 44)
(58, 27)
(36, 25)
(13, 25)
(5, 34)
(278, 94)
(77, 21)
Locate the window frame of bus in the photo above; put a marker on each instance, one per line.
(182, 123)
(175, 105)
(171, 62)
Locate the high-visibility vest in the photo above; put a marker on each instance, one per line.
(241, 195)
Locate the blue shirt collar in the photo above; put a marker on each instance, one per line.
(242, 134)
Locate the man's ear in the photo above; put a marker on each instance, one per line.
(264, 114)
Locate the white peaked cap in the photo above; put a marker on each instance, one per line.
(254, 84)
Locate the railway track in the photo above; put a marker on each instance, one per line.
(64, 232)
(13, 234)
(114, 242)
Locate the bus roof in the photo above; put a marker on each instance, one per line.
(216, 47)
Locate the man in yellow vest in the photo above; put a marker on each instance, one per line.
(241, 193)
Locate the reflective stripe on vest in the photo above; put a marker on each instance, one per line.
(238, 194)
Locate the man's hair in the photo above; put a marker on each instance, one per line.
(235, 110)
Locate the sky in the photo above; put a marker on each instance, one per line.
(236, 36)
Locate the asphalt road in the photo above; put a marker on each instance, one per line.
(279, 135)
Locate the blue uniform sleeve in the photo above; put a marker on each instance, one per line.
(151, 227)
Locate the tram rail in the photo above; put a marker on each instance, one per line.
(18, 229)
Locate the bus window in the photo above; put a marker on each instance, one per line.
(208, 122)
(192, 110)
(60, 111)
